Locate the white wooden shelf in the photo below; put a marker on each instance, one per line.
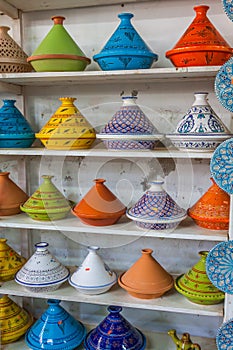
(71, 225)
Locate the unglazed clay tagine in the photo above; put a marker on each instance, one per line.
(99, 207)
(196, 286)
(93, 276)
(10, 261)
(211, 211)
(42, 272)
(146, 278)
(201, 44)
(125, 49)
(14, 320)
(115, 332)
(67, 128)
(58, 52)
(47, 203)
(56, 329)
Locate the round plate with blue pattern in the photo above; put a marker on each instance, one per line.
(223, 85)
(225, 335)
(221, 166)
(228, 8)
(219, 266)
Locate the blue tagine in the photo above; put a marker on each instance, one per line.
(56, 329)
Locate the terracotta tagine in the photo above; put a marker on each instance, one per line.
(58, 52)
(12, 58)
(56, 329)
(14, 320)
(67, 128)
(11, 196)
(42, 272)
(196, 286)
(183, 343)
(115, 332)
(146, 278)
(10, 261)
(201, 44)
(47, 202)
(211, 211)
(99, 207)
(93, 276)
(125, 49)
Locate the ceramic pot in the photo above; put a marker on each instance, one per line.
(125, 49)
(10, 261)
(58, 52)
(47, 203)
(146, 278)
(93, 276)
(196, 286)
(12, 58)
(211, 211)
(156, 210)
(42, 272)
(184, 343)
(200, 128)
(201, 44)
(67, 128)
(11, 196)
(99, 207)
(14, 320)
(56, 329)
(129, 128)
(115, 333)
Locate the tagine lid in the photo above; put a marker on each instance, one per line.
(10, 260)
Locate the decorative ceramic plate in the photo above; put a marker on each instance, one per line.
(221, 166)
(219, 267)
(224, 337)
(228, 8)
(223, 85)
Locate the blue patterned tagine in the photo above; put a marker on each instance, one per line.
(15, 131)
(224, 337)
(228, 8)
(56, 330)
(115, 333)
(224, 86)
(125, 49)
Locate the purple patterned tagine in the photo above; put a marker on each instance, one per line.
(115, 333)
(156, 210)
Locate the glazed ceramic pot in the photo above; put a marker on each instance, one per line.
(93, 276)
(67, 128)
(42, 272)
(211, 211)
(99, 207)
(12, 58)
(156, 210)
(14, 320)
(15, 131)
(146, 278)
(47, 203)
(183, 343)
(196, 286)
(56, 329)
(115, 333)
(125, 49)
(201, 44)
(11, 196)
(200, 129)
(10, 261)
(58, 52)
(129, 128)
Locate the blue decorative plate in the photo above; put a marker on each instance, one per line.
(219, 267)
(221, 166)
(224, 337)
(228, 8)
(223, 85)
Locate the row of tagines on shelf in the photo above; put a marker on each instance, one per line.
(200, 129)
(205, 283)
(155, 209)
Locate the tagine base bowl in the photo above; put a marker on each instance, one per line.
(209, 224)
(65, 144)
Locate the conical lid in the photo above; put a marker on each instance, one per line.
(14, 320)
(115, 332)
(10, 261)
(55, 329)
(146, 276)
